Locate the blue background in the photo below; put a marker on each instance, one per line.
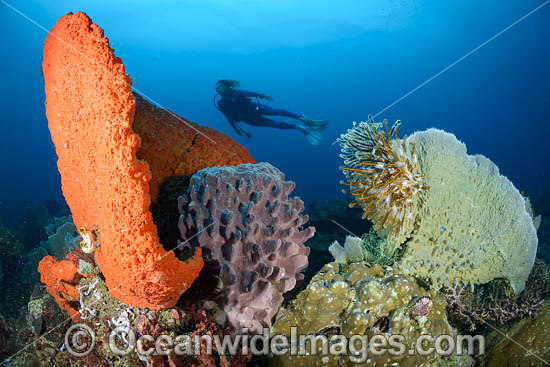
(326, 59)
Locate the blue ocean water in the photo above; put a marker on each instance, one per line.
(329, 60)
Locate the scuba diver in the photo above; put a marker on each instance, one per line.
(238, 105)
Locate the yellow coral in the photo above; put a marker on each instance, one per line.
(360, 300)
(382, 174)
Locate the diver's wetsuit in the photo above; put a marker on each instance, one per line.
(237, 105)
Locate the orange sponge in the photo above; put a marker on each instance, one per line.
(176, 147)
(91, 115)
(61, 279)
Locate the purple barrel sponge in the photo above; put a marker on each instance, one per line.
(250, 226)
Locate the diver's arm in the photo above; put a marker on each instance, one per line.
(239, 129)
(235, 127)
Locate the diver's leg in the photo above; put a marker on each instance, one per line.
(270, 111)
(313, 136)
(283, 125)
(318, 125)
(267, 122)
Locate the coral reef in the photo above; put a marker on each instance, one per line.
(105, 179)
(352, 251)
(357, 299)
(44, 325)
(383, 176)
(474, 226)
(521, 343)
(369, 248)
(39, 333)
(29, 274)
(165, 210)
(541, 206)
(422, 307)
(30, 230)
(62, 235)
(61, 279)
(11, 251)
(496, 303)
(102, 313)
(380, 250)
(57, 222)
(204, 324)
(438, 215)
(332, 220)
(19, 262)
(6, 331)
(244, 217)
(452, 361)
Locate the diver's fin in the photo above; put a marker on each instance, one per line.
(317, 125)
(314, 137)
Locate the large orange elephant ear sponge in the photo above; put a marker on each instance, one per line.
(90, 109)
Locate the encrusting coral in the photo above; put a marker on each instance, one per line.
(470, 226)
(245, 220)
(357, 299)
(105, 180)
(495, 302)
(382, 174)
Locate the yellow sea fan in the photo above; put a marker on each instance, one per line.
(382, 174)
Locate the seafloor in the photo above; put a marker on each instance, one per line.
(31, 316)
